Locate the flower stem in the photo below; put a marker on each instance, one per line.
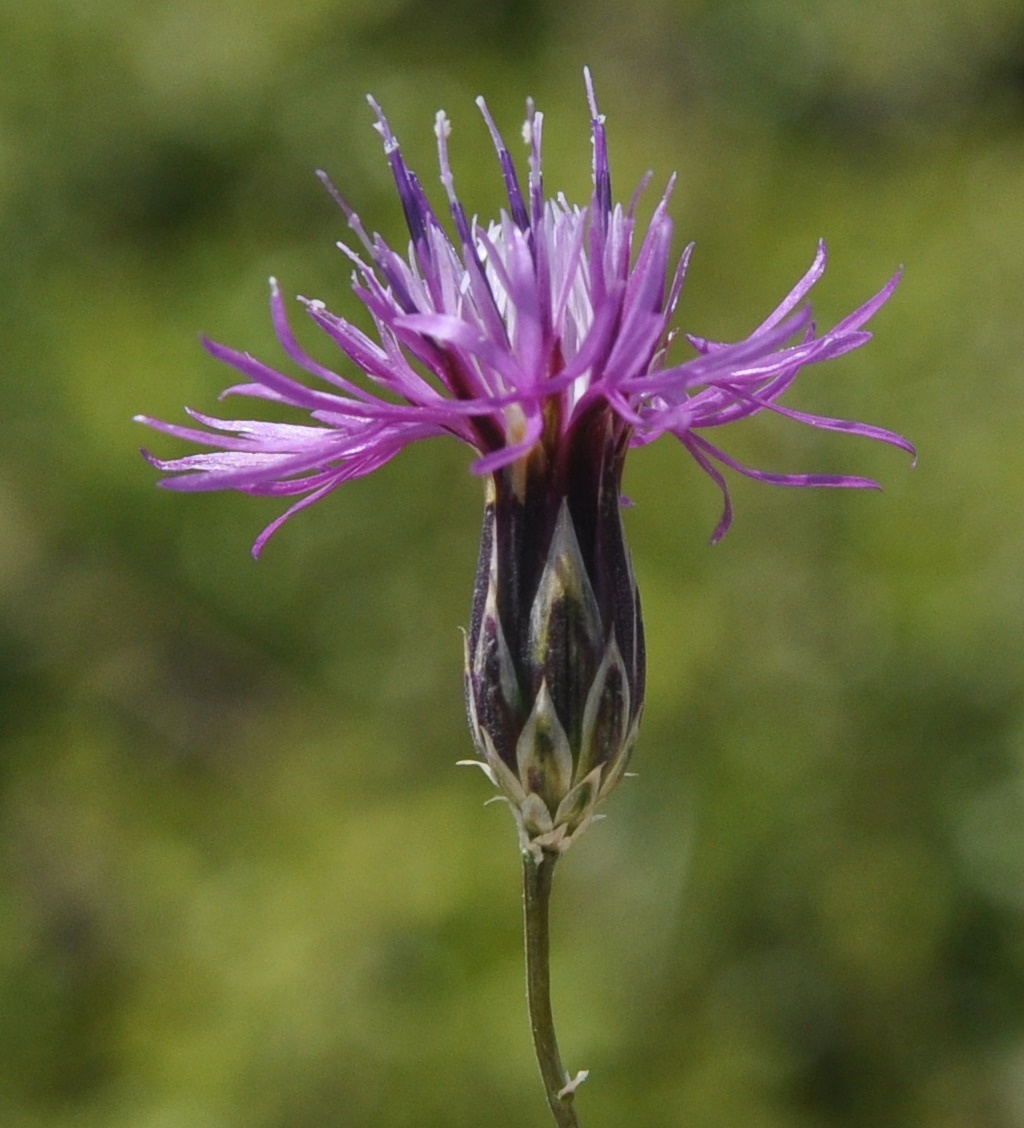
(536, 896)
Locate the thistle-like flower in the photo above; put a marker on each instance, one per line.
(542, 341)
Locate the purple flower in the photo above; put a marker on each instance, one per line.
(505, 336)
(541, 340)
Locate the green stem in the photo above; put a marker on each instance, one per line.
(536, 896)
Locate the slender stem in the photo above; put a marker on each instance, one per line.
(536, 896)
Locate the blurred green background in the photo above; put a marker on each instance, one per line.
(242, 884)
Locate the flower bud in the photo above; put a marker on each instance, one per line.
(555, 652)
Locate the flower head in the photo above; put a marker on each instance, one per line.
(506, 336)
(541, 340)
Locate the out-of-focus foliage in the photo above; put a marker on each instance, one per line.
(242, 884)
